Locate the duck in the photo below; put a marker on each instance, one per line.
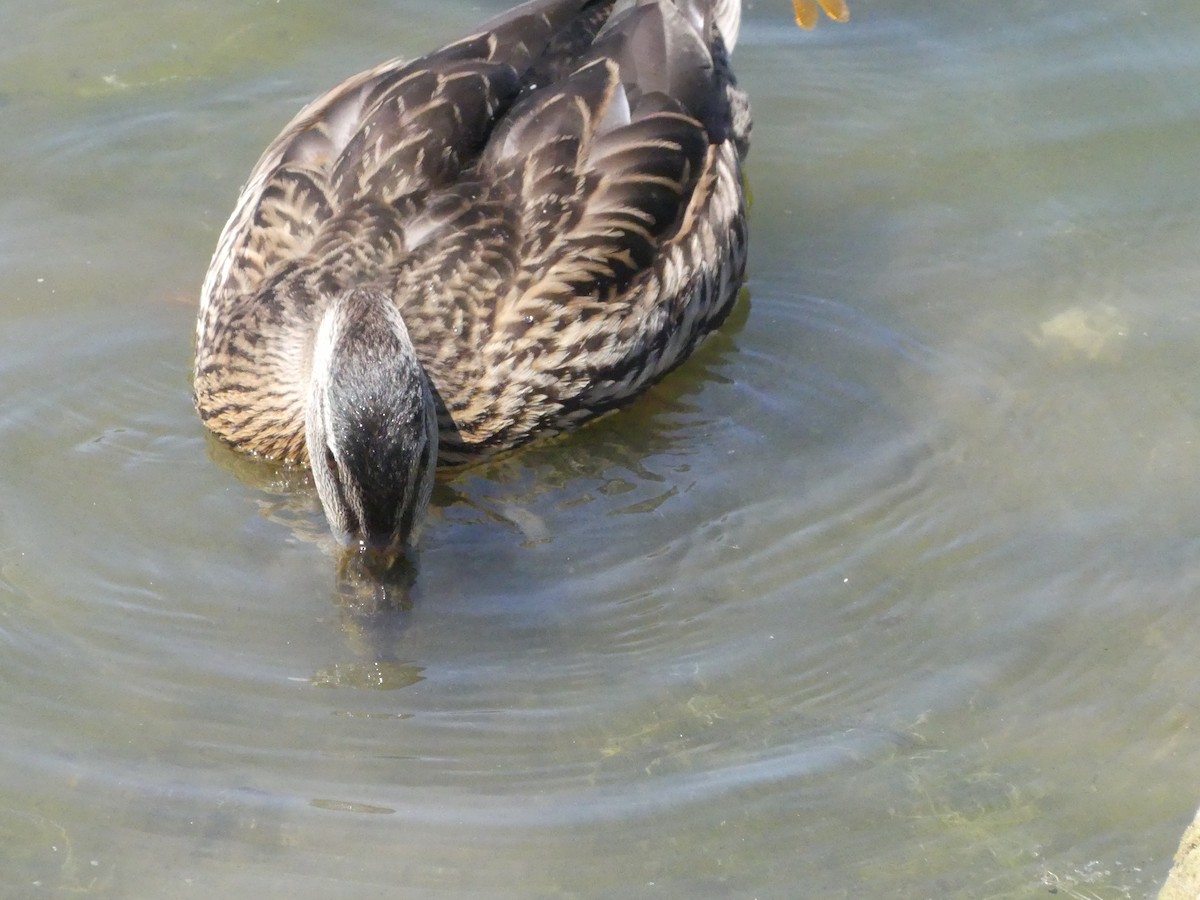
(444, 258)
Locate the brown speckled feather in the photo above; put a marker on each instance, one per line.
(555, 205)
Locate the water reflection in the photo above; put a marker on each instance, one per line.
(374, 598)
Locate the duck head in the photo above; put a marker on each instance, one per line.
(370, 423)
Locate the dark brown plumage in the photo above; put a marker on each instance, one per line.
(554, 207)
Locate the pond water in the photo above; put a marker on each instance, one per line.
(887, 593)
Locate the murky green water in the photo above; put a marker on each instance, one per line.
(889, 593)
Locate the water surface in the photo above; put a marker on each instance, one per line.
(887, 593)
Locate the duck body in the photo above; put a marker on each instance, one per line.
(444, 258)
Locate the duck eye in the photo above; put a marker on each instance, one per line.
(330, 463)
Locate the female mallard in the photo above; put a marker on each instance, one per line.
(443, 258)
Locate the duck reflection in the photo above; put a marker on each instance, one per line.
(373, 593)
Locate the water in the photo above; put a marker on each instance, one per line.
(887, 593)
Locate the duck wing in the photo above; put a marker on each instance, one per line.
(599, 236)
